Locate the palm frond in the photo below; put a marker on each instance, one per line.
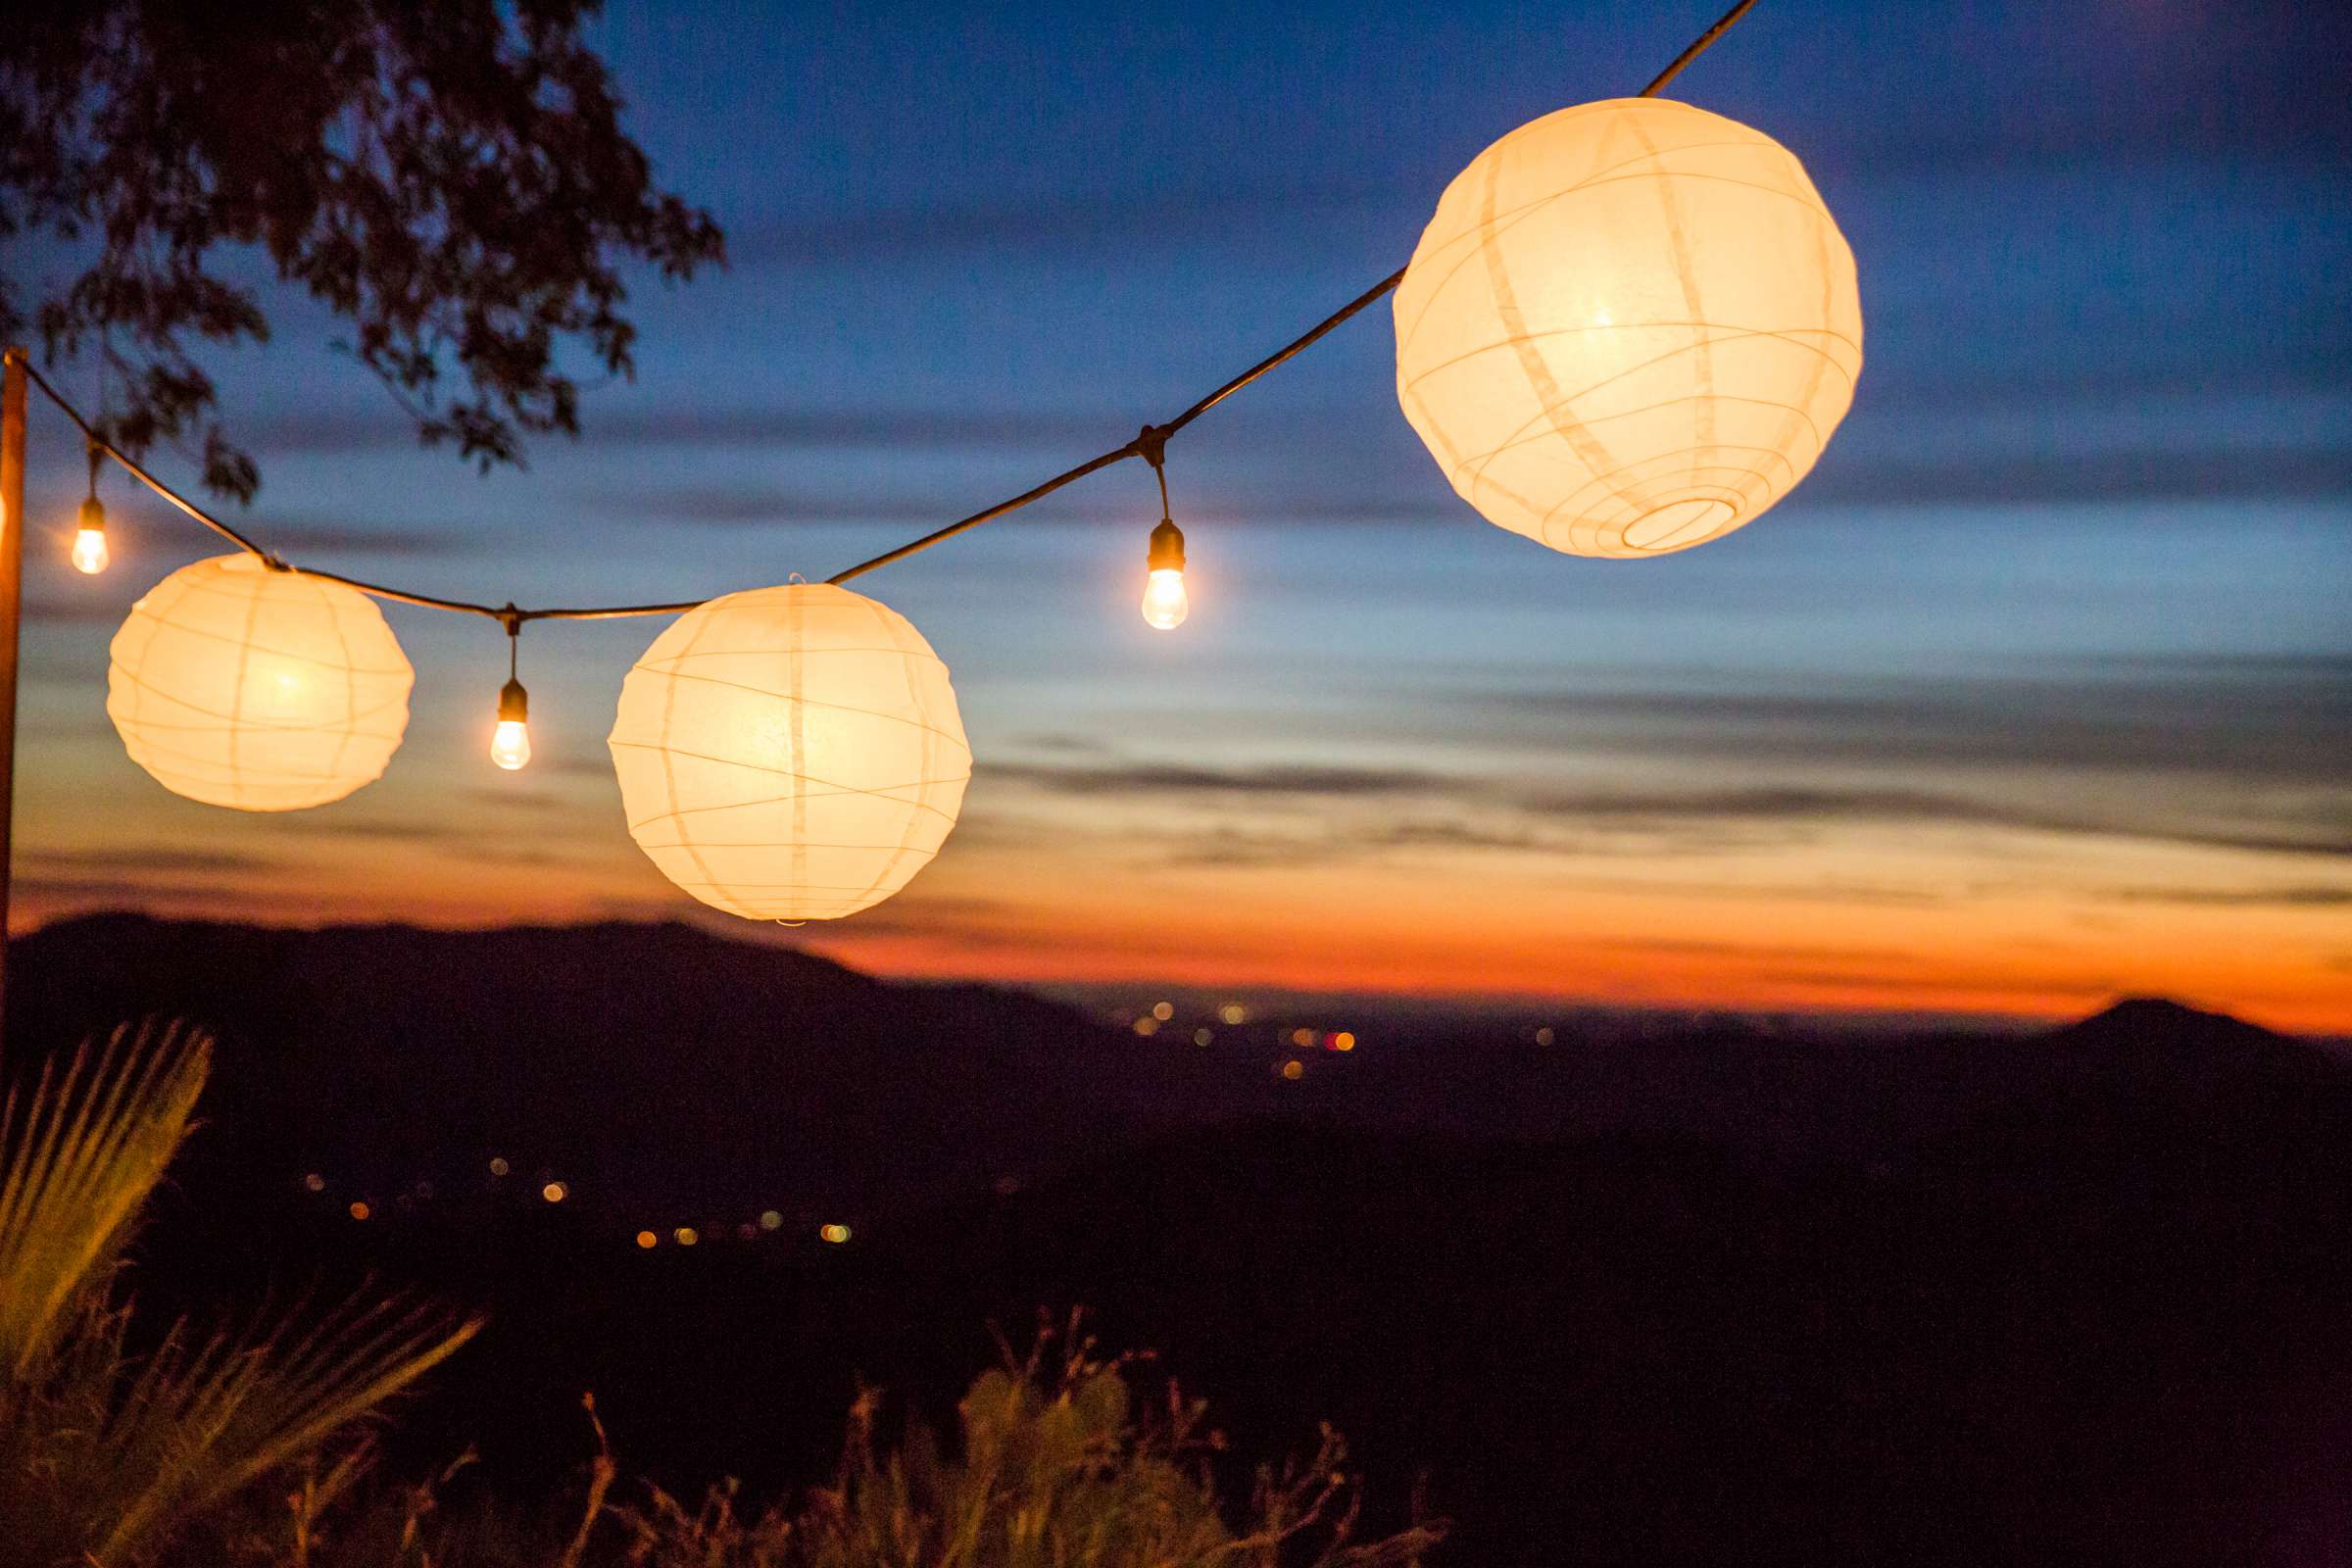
(105, 1454)
(85, 1147)
(205, 1416)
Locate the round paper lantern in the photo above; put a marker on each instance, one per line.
(267, 691)
(790, 753)
(1629, 330)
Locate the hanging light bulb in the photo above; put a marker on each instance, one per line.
(511, 741)
(89, 538)
(1166, 603)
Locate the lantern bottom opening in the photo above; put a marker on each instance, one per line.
(1680, 524)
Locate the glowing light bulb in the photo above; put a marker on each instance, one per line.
(1165, 603)
(510, 744)
(511, 741)
(89, 534)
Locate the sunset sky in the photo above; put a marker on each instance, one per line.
(2038, 691)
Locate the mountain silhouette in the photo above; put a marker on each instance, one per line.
(1649, 1294)
(670, 1068)
(2157, 1024)
(653, 1061)
(2141, 1042)
(2142, 1017)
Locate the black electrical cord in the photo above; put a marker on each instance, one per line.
(1149, 443)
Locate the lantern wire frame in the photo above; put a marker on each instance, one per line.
(315, 702)
(1629, 327)
(1148, 443)
(808, 799)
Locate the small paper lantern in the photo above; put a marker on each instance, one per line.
(265, 691)
(1629, 330)
(790, 753)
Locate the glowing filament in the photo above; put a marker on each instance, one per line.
(89, 533)
(510, 744)
(1165, 602)
(90, 550)
(511, 741)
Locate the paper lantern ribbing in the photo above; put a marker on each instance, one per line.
(790, 753)
(1629, 330)
(265, 691)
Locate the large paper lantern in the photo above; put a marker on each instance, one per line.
(267, 691)
(1629, 330)
(790, 753)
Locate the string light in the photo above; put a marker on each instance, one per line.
(359, 754)
(1165, 603)
(510, 740)
(89, 536)
(1151, 439)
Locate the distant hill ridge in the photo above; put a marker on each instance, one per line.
(665, 1061)
(639, 1056)
(2145, 1018)
(139, 937)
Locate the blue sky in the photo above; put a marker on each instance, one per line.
(2035, 691)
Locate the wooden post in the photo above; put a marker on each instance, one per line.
(11, 583)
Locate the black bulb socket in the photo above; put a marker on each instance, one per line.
(1168, 547)
(514, 702)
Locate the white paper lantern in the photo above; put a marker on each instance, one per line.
(790, 753)
(1629, 330)
(265, 691)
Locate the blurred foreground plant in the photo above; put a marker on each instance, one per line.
(1054, 1466)
(1055, 1470)
(113, 1456)
(107, 1454)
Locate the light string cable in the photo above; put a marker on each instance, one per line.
(1146, 443)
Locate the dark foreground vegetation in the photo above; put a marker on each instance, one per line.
(1712, 1296)
(248, 1442)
